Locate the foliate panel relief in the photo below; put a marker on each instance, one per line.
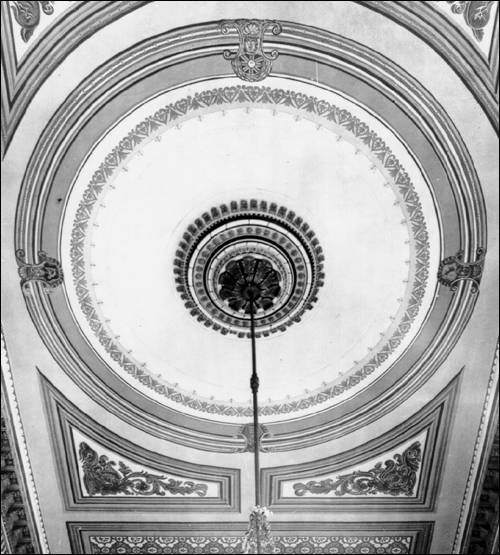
(103, 471)
(396, 476)
(397, 471)
(211, 537)
(113, 476)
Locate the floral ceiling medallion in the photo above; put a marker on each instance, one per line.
(251, 62)
(249, 248)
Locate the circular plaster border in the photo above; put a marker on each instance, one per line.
(150, 127)
(286, 244)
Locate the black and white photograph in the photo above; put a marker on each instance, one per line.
(249, 277)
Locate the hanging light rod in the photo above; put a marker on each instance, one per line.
(258, 536)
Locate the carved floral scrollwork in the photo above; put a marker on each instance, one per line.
(48, 270)
(394, 477)
(27, 15)
(251, 62)
(453, 270)
(476, 15)
(101, 477)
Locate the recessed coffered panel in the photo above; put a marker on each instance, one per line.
(101, 471)
(401, 472)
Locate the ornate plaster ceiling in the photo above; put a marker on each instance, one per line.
(122, 230)
(151, 192)
(372, 232)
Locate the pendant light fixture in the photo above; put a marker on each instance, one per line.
(258, 537)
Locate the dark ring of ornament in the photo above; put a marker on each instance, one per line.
(249, 248)
(168, 116)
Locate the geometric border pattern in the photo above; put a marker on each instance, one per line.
(64, 417)
(434, 419)
(242, 94)
(226, 537)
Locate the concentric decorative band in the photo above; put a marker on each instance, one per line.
(249, 247)
(242, 95)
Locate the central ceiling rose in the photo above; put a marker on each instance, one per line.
(249, 280)
(249, 248)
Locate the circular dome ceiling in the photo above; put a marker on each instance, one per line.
(202, 187)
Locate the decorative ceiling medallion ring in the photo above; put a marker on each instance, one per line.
(249, 249)
(254, 95)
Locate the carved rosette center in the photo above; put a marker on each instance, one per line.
(249, 280)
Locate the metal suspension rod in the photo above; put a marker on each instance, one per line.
(254, 385)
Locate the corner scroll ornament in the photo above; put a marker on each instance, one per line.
(100, 477)
(48, 270)
(395, 477)
(476, 15)
(250, 62)
(453, 269)
(27, 15)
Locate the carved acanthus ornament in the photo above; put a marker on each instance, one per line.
(394, 477)
(453, 270)
(476, 15)
(27, 15)
(101, 477)
(250, 62)
(256, 273)
(48, 270)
